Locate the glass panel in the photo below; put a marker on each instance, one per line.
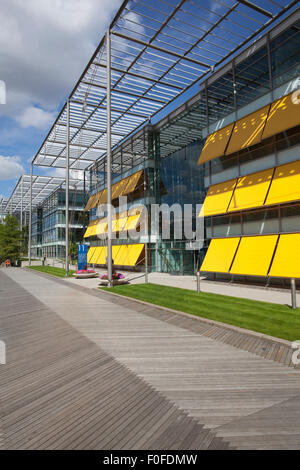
(285, 55)
(252, 77)
(224, 168)
(220, 97)
(290, 218)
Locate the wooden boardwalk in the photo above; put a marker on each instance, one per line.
(88, 371)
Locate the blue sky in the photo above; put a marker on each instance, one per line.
(44, 46)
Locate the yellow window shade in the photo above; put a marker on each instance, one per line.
(285, 186)
(123, 255)
(87, 232)
(133, 221)
(115, 253)
(215, 144)
(132, 182)
(218, 198)
(284, 114)
(254, 255)
(286, 262)
(102, 256)
(248, 130)
(251, 190)
(115, 225)
(122, 223)
(97, 199)
(135, 252)
(101, 227)
(118, 188)
(90, 231)
(220, 254)
(90, 202)
(95, 255)
(136, 210)
(90, 254)
(103, 197)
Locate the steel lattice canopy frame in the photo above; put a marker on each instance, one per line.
(3, 206)
(159, 50)
(42, 187)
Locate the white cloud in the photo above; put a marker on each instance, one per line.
(10, 168)
(35, 117)
(44, 47)
(61, 173)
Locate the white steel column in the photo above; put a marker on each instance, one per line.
(147, 228)
(30, 218)
(21, 215)
(67, 185)
(108, 111)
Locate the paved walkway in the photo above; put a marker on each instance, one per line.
(89, 371)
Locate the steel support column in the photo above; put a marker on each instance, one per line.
(30, 218)
(67, 185)
(109, 208)
(21, 215)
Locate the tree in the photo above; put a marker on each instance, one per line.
(10, 239)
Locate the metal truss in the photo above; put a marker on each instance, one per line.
(159, 50)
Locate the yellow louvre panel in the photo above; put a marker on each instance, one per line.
(102, 257)
(254, 255)
(123, 256)
(122, 223)
(133, 221)
(248, 130)
(95, 255)
(135, 252)
(115, 224)
(135, 210)
(132, 182)
(286, 262)
(218, 198)
(103, 197)
(90, 254)
(90, 202)
(215, 144)
(284, 114)
(87, 232)
(251, 190)
(101, 227)
(97, 199)
(92, 230)
(115, 254)
(94, 201)
(285, 185)
(118, 188)
(220, 254)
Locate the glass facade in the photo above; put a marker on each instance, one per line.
(48, 223)
(169, 151)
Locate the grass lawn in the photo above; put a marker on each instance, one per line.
(272, 319)
(58, 272)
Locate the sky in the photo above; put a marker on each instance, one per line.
(44, 47)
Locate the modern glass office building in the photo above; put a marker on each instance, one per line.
(233, 147)
(49, 223)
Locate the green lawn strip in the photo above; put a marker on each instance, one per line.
(54, 271)
(264, 317)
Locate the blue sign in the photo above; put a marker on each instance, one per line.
(82, 256)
